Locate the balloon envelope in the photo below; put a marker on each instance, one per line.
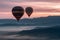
(29, 11)
(18, 12)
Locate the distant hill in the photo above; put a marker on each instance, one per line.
(42, 21)
(53, 31)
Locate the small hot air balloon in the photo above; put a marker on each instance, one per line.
(29, 11)
(18, 12)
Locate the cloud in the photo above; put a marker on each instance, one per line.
(47, 10)
(38, 5)
(35, 1)
(4, 7)
(43, 1)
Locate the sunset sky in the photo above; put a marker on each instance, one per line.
(42, 8)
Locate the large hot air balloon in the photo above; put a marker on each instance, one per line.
(18, 12)
(29, 11)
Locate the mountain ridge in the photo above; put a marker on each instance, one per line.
(41, 21)
(51, 31)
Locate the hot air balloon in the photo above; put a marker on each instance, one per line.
(17, 12)
(29, 11)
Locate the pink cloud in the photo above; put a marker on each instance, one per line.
(41, 6)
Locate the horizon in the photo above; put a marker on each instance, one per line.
(31, 18)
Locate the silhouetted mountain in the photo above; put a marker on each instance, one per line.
(50, 31)
(42, 21)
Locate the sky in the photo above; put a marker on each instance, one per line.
(42, 8)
